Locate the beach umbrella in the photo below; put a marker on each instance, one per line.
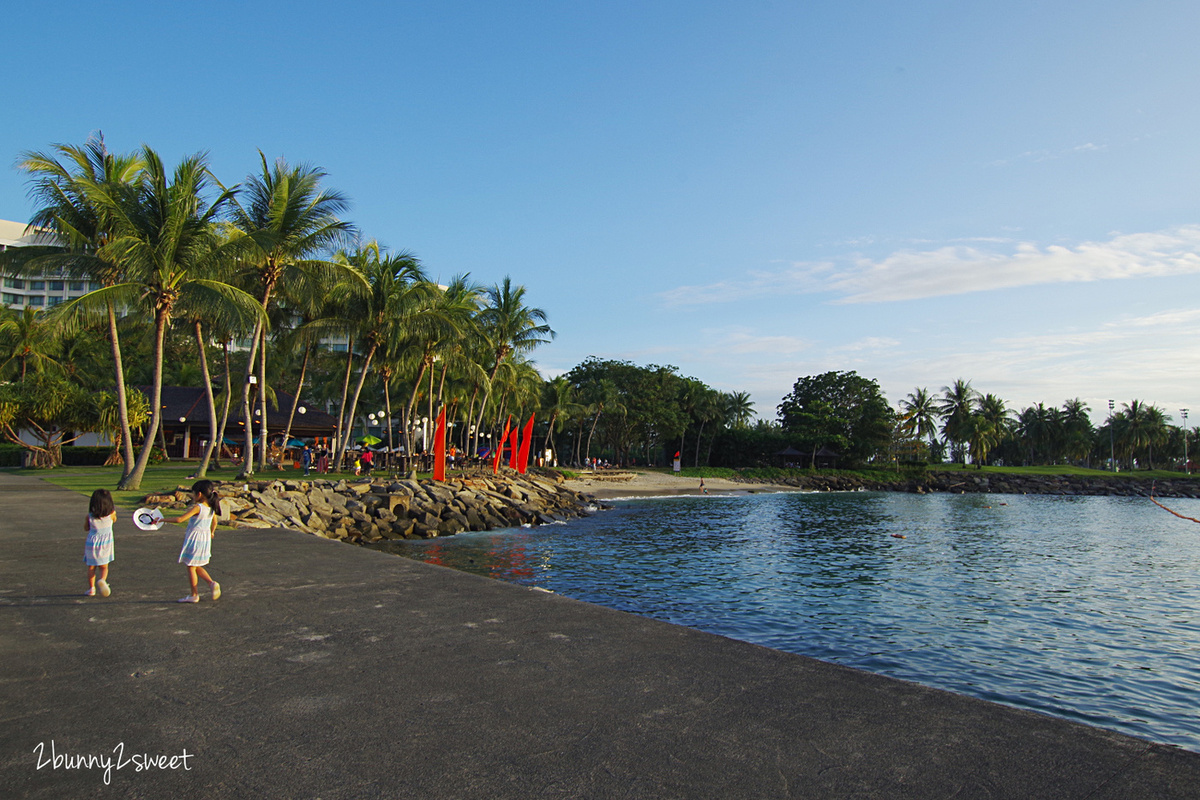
(295, 443)
(369, 440)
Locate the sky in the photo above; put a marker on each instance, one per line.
(1006, 193)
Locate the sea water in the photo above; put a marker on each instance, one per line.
(1081, 607)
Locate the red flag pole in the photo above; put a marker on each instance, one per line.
(500, 448)
(439, 447)
(523, 464)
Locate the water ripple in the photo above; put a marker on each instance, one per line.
(1082, 607)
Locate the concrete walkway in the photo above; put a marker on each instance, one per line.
(330, 671)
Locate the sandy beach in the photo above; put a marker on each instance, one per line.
(607, 485)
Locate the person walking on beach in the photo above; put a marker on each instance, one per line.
(98, 548)
(197, 540)
(306, 459)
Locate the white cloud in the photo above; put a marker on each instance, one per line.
(909, 275)
(954, 270)
(794, 279)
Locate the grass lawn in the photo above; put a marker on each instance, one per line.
(1065, 470)
(158, 478)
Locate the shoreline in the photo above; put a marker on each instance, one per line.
(611, 486)
(629, 483)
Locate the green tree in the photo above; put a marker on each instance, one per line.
(508, 326)
(841, 409)
(165, 241)
(919, 416)
(286, 219)
(956, 407)
(69, 195)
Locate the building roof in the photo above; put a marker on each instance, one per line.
(188, 403)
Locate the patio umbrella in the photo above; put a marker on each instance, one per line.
(295, 443)
(370, 440)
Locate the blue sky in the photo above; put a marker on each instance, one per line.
(1007, 193)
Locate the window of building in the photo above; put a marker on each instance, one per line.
(75, 286)
(14, 283)
(56, 286)
(37, 285)
(56, 300)
(13, 299)
(37, 300)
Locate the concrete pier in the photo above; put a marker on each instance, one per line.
(331, 671)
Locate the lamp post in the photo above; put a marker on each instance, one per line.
(1112, 453)
(1186, 466)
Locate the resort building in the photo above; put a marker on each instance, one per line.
(37, 291)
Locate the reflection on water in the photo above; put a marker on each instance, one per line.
(1081, 607)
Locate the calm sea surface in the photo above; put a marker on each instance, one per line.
(1081, 607)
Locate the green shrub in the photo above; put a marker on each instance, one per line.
(85, 456)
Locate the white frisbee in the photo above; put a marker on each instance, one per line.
(148, 519)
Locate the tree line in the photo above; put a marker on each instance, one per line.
(246, 288)
(849, 414)
(255, 279)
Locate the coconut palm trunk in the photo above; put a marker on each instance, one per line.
(212, 404)
(228, 394)
(344, 419)
(247, 416)
(412, 401)
(287, 433)
(362, 377)
(126, 444)
(134, 479)
(262, 401)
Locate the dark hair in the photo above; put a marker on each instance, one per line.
(101, 504)
(208, 493)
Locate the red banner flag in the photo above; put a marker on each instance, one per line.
(514, 441)
(439, 447)
(500, 448)
(523, 460)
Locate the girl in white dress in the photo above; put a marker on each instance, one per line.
(197, 540)
(98, 548)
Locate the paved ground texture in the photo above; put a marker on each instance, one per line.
(330, 671)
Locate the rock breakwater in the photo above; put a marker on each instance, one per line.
(960, 482)
(366, 510)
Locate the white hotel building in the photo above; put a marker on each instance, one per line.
(40, 291)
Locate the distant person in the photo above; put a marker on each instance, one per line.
(98, 547)
(306, 459)
(197, 539)
(368, 461)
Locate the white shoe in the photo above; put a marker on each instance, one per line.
(191, 598)
(102, 585)
(216, 590)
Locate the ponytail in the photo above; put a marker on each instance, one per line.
(209, 494)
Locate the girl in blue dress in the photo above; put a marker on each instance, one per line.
(197, 540)
(98, 548)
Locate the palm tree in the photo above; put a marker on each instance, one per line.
(1077, 430)
(989, 426)
(27, 339)
(69, 210)
(205, 306)
(955, 408)
(919, 415)
(286, 219)
(739, 409)
(395, 288)
(510, 327)
(166, 244)
(559, 402)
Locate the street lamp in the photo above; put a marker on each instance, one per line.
(1112, 453)
(1186, 465)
